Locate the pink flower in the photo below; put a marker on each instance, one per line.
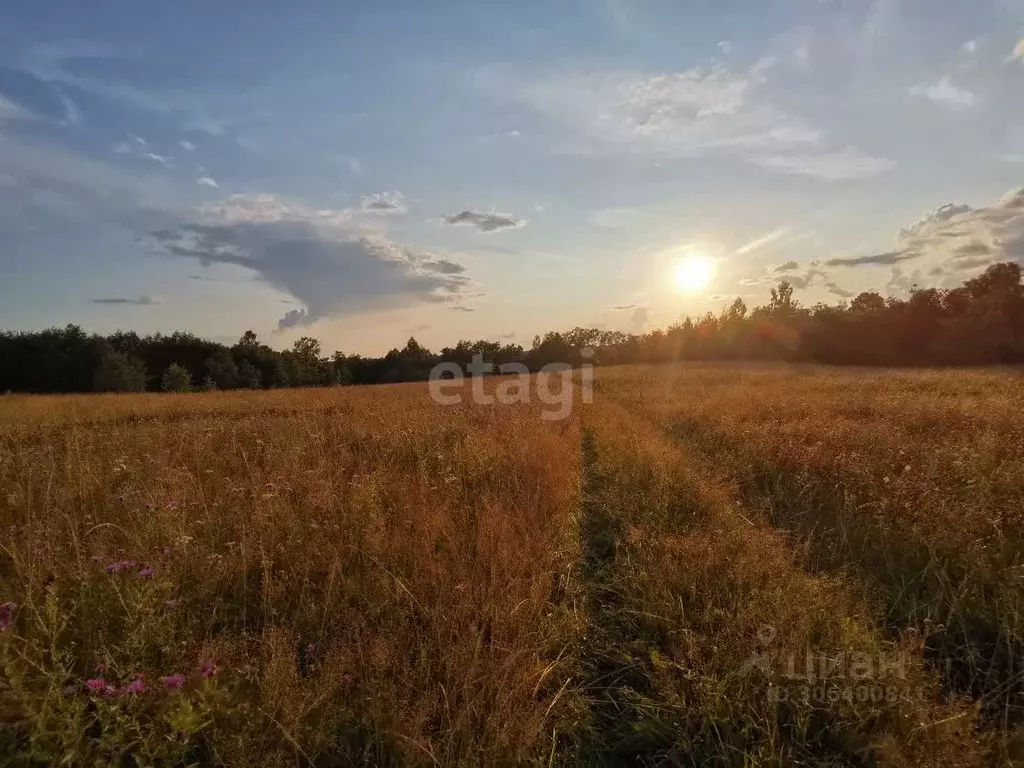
(347, 679)
(175, 681)
(138, 685)
(96, 684)
(209, 668)
(7, 615)
(147, 572)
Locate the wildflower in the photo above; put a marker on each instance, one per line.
(121, 565)
(147, 572)
(347, 679)
(175, 681)
(7, 616)
(209, 668)
(138, 685)
(96, 684)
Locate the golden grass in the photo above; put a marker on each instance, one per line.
(711, 564)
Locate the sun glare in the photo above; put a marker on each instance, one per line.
(693, 273)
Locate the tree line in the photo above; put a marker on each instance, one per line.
(979, 323)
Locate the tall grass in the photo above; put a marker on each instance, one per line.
(345, 575)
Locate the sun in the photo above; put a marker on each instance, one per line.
(693, 273)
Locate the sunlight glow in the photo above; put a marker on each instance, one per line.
(693, 272)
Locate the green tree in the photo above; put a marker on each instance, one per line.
(119, 372)
(248, 376)
(176, 379)
(221, 369)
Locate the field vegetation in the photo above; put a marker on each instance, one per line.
(711, 564)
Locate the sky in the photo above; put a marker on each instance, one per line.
(364, 171)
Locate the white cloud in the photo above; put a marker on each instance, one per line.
(319, 257)
(763, 240)
(957, 237)
(11, 111)
(138, 140)
(944, 92)
(156, 158)
(207, 181)
(847, 164)
(696, 112)
(1018, 51)
(188, 146)
(72, 113)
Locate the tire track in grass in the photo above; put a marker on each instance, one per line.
(615, 657)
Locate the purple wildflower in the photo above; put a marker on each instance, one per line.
(209, 668)
(147, 572)
(121, 565)
(175, 681)
(138, 685)
(96, 684)
(7, 615)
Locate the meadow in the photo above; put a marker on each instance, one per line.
(708, 565)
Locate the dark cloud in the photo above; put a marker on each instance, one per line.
(892, 257)
(314, 256)
(835, 290)
(789, 266)
(140, 301)
(485, 222)
(460, 308)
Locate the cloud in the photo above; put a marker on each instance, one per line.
(788, 266)
(835, 290)
(1018, 51)
(383, 203)
(957, 237)
(188, 146)
(138, 140)
(485, 222)
(11, 111)
(122, 148)
(460, 308)
(141, 301)
(690, 113)
(319, 257)
(845, 165)
(72, 113)
(157, 158)
(944, 92)
(891, 257)
(763, 240)
(207, 181)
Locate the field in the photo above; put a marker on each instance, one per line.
(724, 565)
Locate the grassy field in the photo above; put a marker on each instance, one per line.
(715, 565)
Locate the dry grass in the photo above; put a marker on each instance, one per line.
(376, 578)
(710, 565)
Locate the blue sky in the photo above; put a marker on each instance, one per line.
(365, 171)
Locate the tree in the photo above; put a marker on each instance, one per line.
(120, 372)
(248, 376)
(176, 379)
(222, 370)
